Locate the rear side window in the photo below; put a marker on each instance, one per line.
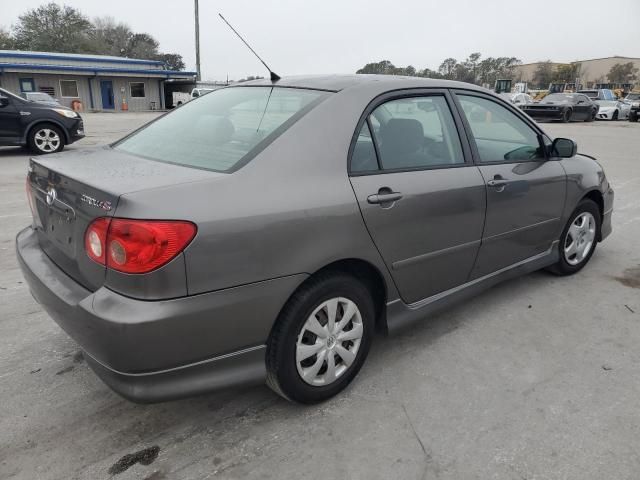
(414, 133)
(499, 134)
(224, 129)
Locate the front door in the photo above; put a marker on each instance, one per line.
(106, 90)
(421, 198)
(525, 190)
(10, 121)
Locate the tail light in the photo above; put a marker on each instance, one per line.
(136, 246)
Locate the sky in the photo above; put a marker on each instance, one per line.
(340, 36)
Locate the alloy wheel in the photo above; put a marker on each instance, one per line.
(47, 140)
(580, 238)
(329, 341)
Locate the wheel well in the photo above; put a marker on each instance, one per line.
(47, 122)
(370, 276)
(596, 196)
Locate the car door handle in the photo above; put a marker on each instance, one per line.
(379, 198)
(497, 182)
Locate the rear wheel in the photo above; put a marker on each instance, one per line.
(579, 239)
(592, 116)
(321, 339)
(45, 138)
(566, 117)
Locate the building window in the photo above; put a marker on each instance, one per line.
(27, 85)
(136, 90)
(69, 89)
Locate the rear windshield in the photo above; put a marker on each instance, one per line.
(593, 95)
(224, 129)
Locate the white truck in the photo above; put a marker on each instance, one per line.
(180, 97)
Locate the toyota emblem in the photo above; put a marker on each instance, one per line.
(51, 196)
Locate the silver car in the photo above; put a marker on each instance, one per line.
(266, 231)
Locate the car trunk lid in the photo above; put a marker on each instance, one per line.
(69, 191)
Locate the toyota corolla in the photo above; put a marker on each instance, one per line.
(265, 232)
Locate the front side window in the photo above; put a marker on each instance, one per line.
(416, 132)
(222, 129)
(136, 89)
(69, 88)
(499, 134)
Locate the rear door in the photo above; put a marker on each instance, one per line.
(525, 190)
(422, 199)
(10, 123)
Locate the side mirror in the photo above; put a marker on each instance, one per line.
(4, 101)
(564, 148)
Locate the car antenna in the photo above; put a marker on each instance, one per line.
(274, 76)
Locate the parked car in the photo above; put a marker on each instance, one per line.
(633, 99)
(41, 97)
(518, 99)
(42, 128)
(566, 107)
(235, 254)
(610, 108)
(199, 91)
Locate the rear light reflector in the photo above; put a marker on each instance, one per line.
(137, 246)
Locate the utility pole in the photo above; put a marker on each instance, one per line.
(198, 78)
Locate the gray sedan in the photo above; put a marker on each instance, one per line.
(265, 232)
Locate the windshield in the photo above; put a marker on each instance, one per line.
(224, 129)
(633, 96)
(559, 98)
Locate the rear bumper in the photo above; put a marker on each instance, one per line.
(158, 350)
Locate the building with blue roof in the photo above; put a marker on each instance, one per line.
(97, 82)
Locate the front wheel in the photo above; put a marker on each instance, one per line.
(579, 239)
(321, 338)
(566, 117)
(45, 138)
(615, 116)
(633, 117)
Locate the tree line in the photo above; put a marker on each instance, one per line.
(55, 28)
(471, 70)
(490, 69)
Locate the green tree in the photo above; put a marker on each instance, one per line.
(6, 40)
(52, 28)
(109, 37)
(566, 73)
(448, 68)
(622, 73)
(173, 61)
(384, 67)
(544, 74)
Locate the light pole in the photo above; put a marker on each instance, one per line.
(197, 19)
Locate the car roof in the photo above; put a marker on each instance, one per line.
(336, 83)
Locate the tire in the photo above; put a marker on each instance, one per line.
(570, 263)
(592, 116)
(614, 117)
(566, 117)
(633, 118)
(291, 334)
(45, 138)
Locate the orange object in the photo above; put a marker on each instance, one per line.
(76, 106)
(125, 107)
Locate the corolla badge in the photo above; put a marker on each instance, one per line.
(51, 196)
(103, 204)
